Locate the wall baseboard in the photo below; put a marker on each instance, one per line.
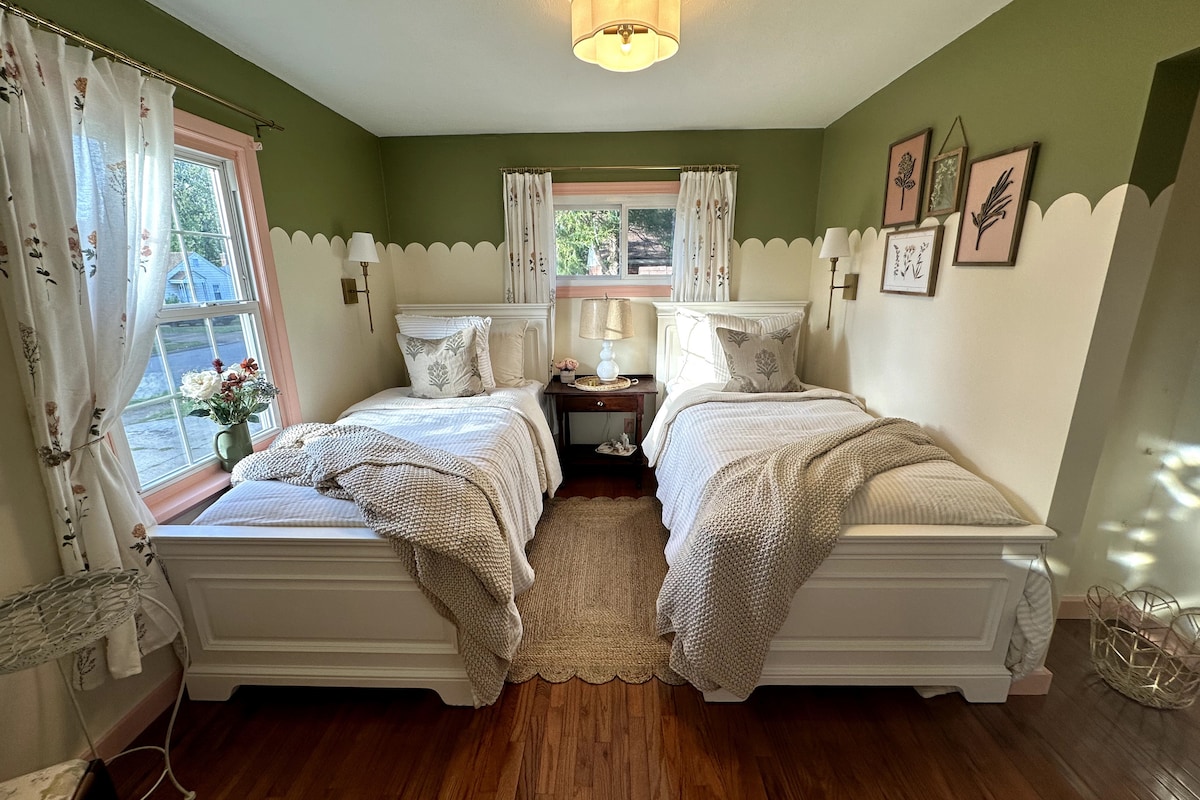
(130, 726)
(1072, 607)
(1035, 683)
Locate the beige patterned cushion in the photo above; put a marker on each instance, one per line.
(763, 362)
(52, 783)
(442, 367)
(439, 327)
(760, 326)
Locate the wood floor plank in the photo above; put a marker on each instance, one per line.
(1083, 741)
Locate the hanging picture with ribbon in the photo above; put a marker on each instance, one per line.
(945, 174)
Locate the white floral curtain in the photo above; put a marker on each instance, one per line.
(86, 147)
(703, 234)
(532, 256)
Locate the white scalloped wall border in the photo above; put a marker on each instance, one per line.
(991, 364)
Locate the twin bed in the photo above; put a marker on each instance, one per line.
(279, 585)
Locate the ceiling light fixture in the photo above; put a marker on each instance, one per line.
(624, 35)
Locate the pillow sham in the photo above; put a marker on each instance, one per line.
(426, 327)
(760, 362)
(761, 327)
(696, 363)
(506, 345)
(446, 367)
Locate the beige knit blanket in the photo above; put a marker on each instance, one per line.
(439, 512)
(766, 522)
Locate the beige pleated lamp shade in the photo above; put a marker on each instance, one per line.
(606, 319)
(624, 35)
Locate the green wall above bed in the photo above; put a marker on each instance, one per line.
(448, 188)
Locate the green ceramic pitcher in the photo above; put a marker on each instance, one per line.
(232, 445)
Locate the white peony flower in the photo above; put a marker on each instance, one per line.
(200, 386)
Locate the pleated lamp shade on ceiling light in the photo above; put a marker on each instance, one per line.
(624, 35)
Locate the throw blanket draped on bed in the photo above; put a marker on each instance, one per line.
(439, 512)
(766, 522)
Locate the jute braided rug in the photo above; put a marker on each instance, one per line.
(590, 614)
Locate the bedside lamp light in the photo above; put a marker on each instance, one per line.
(837, 245)
(362, 250)
(608, 320)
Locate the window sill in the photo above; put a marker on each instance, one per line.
(615, 288)
(170, 501)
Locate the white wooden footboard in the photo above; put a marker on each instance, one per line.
(305, 607)
(910, 606)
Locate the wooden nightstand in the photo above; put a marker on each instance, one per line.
(569, 400)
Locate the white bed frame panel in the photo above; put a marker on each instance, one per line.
(319, 606)
(894, 605)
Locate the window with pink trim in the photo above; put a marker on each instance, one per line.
(220, 302)
(614, 233)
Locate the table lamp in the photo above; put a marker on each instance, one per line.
(606, 319)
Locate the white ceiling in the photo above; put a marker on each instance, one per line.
(414, 67)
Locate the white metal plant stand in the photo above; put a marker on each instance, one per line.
(59, 617)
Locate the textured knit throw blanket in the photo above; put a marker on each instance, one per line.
(440, 514)
(766, 522)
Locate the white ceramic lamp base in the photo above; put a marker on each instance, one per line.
(607, 370)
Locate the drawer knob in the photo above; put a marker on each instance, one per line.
(600, 404)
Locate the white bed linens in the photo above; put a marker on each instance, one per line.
(701, 429)
(503, 432)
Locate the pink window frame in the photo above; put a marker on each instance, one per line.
(197, 133)
(584, 188)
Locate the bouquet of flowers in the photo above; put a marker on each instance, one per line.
(566, 365)
(227, 396)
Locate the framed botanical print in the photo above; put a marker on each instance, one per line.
(989, 229)
(910, 261)
(945, 180)
(905, 179)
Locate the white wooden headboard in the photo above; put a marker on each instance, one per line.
(667, 362)
(537, 335)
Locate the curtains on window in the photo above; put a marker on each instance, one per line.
(703, 234)
(529, 245)
(85, 206)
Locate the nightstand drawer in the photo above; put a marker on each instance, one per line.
(598, 402)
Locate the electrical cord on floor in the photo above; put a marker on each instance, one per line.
(167, 772)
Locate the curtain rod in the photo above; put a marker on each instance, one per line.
(259, 121)
(664, 167)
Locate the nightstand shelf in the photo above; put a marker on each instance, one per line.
(570, 400)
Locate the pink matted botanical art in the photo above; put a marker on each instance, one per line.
(989, 229)
(905, 186)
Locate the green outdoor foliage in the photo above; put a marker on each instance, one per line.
(196, 208)
(581, 231)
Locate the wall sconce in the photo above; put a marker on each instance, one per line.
(837, 245)
(362, 250)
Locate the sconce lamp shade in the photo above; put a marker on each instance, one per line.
(624, 35)
(836, 244)
(362, 248)
(606, 319)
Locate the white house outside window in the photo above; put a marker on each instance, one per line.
(211, 310)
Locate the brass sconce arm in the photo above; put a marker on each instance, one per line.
(849, 288)
(350, 293)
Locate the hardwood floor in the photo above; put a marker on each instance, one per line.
(575, 740)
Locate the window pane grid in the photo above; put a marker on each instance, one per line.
(641, 238)
(209, 311)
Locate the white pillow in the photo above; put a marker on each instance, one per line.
(506, 344)
(696, 363)
(759, 327)
(440, 327)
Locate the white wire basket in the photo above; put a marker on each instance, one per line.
(63, 615)
(1145, 646)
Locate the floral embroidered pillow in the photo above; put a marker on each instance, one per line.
(761, 362)
(445, 367)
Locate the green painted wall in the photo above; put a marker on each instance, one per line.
(448, 188)
(1072, 74)
(320, 175)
